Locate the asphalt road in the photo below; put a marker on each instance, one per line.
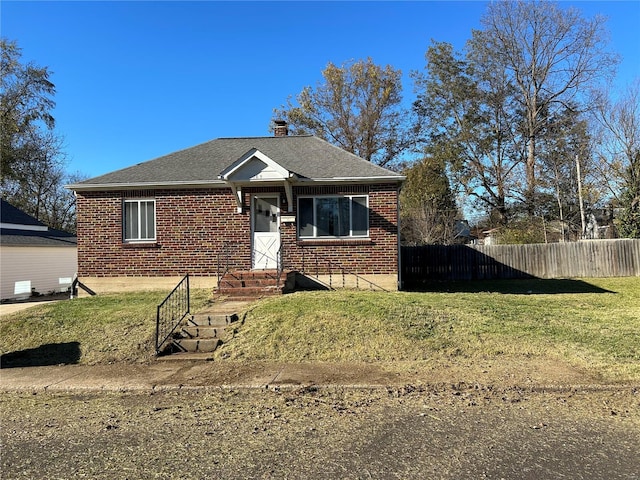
(442, 432)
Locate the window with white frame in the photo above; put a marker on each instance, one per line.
(333, 216)
(139, 220)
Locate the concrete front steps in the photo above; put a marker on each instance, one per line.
(255, 284)
(201, 334)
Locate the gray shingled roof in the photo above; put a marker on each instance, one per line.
(29, 238)
(20, 237)
(13, 215)
(308, 157)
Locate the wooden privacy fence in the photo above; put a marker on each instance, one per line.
(592, 258)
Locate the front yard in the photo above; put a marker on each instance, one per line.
(592, 325)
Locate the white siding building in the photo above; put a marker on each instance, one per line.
(34, 259)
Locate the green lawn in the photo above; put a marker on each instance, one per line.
(592, 324)
(598, 328)
(108, 328)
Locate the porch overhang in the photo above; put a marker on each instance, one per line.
(254, 168)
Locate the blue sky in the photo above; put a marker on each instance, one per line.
(136, 80)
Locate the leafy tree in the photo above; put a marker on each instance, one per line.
(629, 221)
(33, 159)
(25, 102)
(523, 231)
(428, 208)
(551, 55)
(357, 107)
(466, 111)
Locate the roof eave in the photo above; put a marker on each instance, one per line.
(331, 180)
(87, 187)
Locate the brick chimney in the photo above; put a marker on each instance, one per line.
(281, 129)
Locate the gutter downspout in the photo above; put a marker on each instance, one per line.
(399, 259)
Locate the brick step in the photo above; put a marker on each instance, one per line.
(248, 282)
(253, 284)
(251, 274)
(249, 292)
(205, 345)
(245, 298)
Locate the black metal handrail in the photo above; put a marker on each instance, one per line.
(223, 258)
(77, 283)
(280, 263)
(331, 267)
(172, 311)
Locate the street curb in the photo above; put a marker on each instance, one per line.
(402, 389)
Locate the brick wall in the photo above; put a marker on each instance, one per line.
(192, 226)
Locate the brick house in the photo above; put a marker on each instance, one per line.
(268, 203)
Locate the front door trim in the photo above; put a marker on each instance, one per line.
(265, 231)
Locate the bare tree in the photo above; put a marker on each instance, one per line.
(552, 55)
(618, 153)
(566, 173)
(33, 157)
(36, 185)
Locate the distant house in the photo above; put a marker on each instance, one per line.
(34, 259)
(462, 233)
(600, 224)
(245, 204)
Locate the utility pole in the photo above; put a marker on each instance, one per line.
(582, 218)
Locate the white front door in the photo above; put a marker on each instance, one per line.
(265, 213)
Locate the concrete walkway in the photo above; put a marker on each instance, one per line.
(184, 375)
(7, 308)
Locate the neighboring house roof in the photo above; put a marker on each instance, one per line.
(30, 238)
(307, 158)
(19, 229)
(10, 215)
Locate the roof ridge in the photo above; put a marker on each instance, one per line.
(265, 136)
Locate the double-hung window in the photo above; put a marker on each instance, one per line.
(139, 220)
(333, 217)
